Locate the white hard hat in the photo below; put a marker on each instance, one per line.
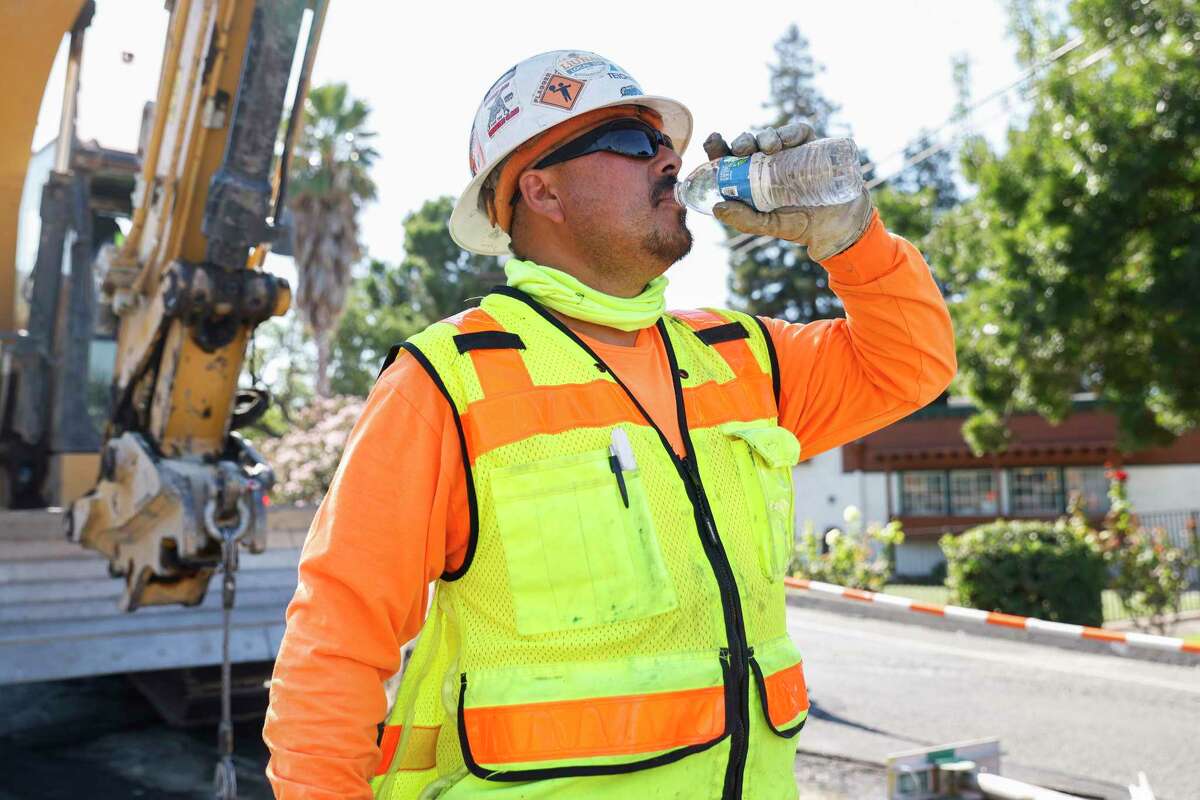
(535, 95)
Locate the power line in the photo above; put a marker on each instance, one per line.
(747, 241)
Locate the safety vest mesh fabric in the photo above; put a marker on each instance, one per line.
(586, 634)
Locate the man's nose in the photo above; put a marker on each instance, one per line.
(666, 162)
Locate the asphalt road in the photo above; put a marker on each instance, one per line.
(1081, 720)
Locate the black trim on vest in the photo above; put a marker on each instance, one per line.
(387, 361)
(773, 356)
(488, 340)
(472, 503)
(787, 733)
(582, 770)
(729, 332)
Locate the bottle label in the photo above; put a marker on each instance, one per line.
(733, 178)
(745, 178)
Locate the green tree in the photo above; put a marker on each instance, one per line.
(381, 311)
(329, 182)
(435, 280)
(1077, 263)
(444, 275)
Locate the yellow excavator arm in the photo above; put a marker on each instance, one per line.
(181, 293)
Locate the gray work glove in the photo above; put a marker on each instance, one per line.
(826, 230)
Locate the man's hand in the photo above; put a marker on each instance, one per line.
(826, 230)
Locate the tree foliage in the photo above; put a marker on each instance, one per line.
(1076, 266)
(443, 274)
(381, 311)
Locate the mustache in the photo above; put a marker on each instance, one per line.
(663, 188)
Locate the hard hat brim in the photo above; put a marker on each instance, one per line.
(470, 227)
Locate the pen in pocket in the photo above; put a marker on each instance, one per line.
(614, 463)
(620, 459)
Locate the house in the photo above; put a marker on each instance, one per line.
(921, 471)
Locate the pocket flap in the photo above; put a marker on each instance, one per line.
(777, 446)
(586, 714)
(779, 672)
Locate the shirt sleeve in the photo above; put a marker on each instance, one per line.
(394, 518)
(893, 353)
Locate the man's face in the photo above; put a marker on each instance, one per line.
(622, 210)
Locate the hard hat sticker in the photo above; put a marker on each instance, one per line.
(502, 107)
(582, 65)
(558, 91)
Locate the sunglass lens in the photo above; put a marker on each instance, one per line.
(629, 142)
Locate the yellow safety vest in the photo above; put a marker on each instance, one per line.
(617, 627)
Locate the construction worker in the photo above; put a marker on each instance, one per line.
(600, 490)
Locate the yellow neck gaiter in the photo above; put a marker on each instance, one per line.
(568, 295)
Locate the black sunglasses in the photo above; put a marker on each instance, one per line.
(625, 137)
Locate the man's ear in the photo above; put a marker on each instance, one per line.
(540, 194)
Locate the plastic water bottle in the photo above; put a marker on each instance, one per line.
(824, 172)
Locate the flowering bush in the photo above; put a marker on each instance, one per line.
(1149, 574)
(306, 455)
(858, 558)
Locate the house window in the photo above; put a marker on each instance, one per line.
(1036, 490)
(973, 492)
(1091, 486)
(923, 494)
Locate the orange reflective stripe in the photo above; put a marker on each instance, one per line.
(499, 371)
(737, 353)
(419, 754)
(496, 421)
(787, 695)
(601, 726)
(711, 404)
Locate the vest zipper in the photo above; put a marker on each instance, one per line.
(737, 695)
(737, 688)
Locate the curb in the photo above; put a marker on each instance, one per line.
(873, 611)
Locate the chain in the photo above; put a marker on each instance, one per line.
(225, 776)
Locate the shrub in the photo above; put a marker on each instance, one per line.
(858, 558)
(306, 455)
(1038, 569)
(1149, 574)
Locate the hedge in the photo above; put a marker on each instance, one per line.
(1054, 571)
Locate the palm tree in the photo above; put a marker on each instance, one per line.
(329, 183)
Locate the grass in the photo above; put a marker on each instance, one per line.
(1112, 605)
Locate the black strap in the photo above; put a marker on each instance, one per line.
(472, 501)
(729, 332)
(391, 356)
(488, 340)
(774, 357)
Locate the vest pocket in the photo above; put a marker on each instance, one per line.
(779, 672)
(765, 455)
(590, 718)
(579, 544)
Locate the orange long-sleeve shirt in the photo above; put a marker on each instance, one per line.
(396, 516)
